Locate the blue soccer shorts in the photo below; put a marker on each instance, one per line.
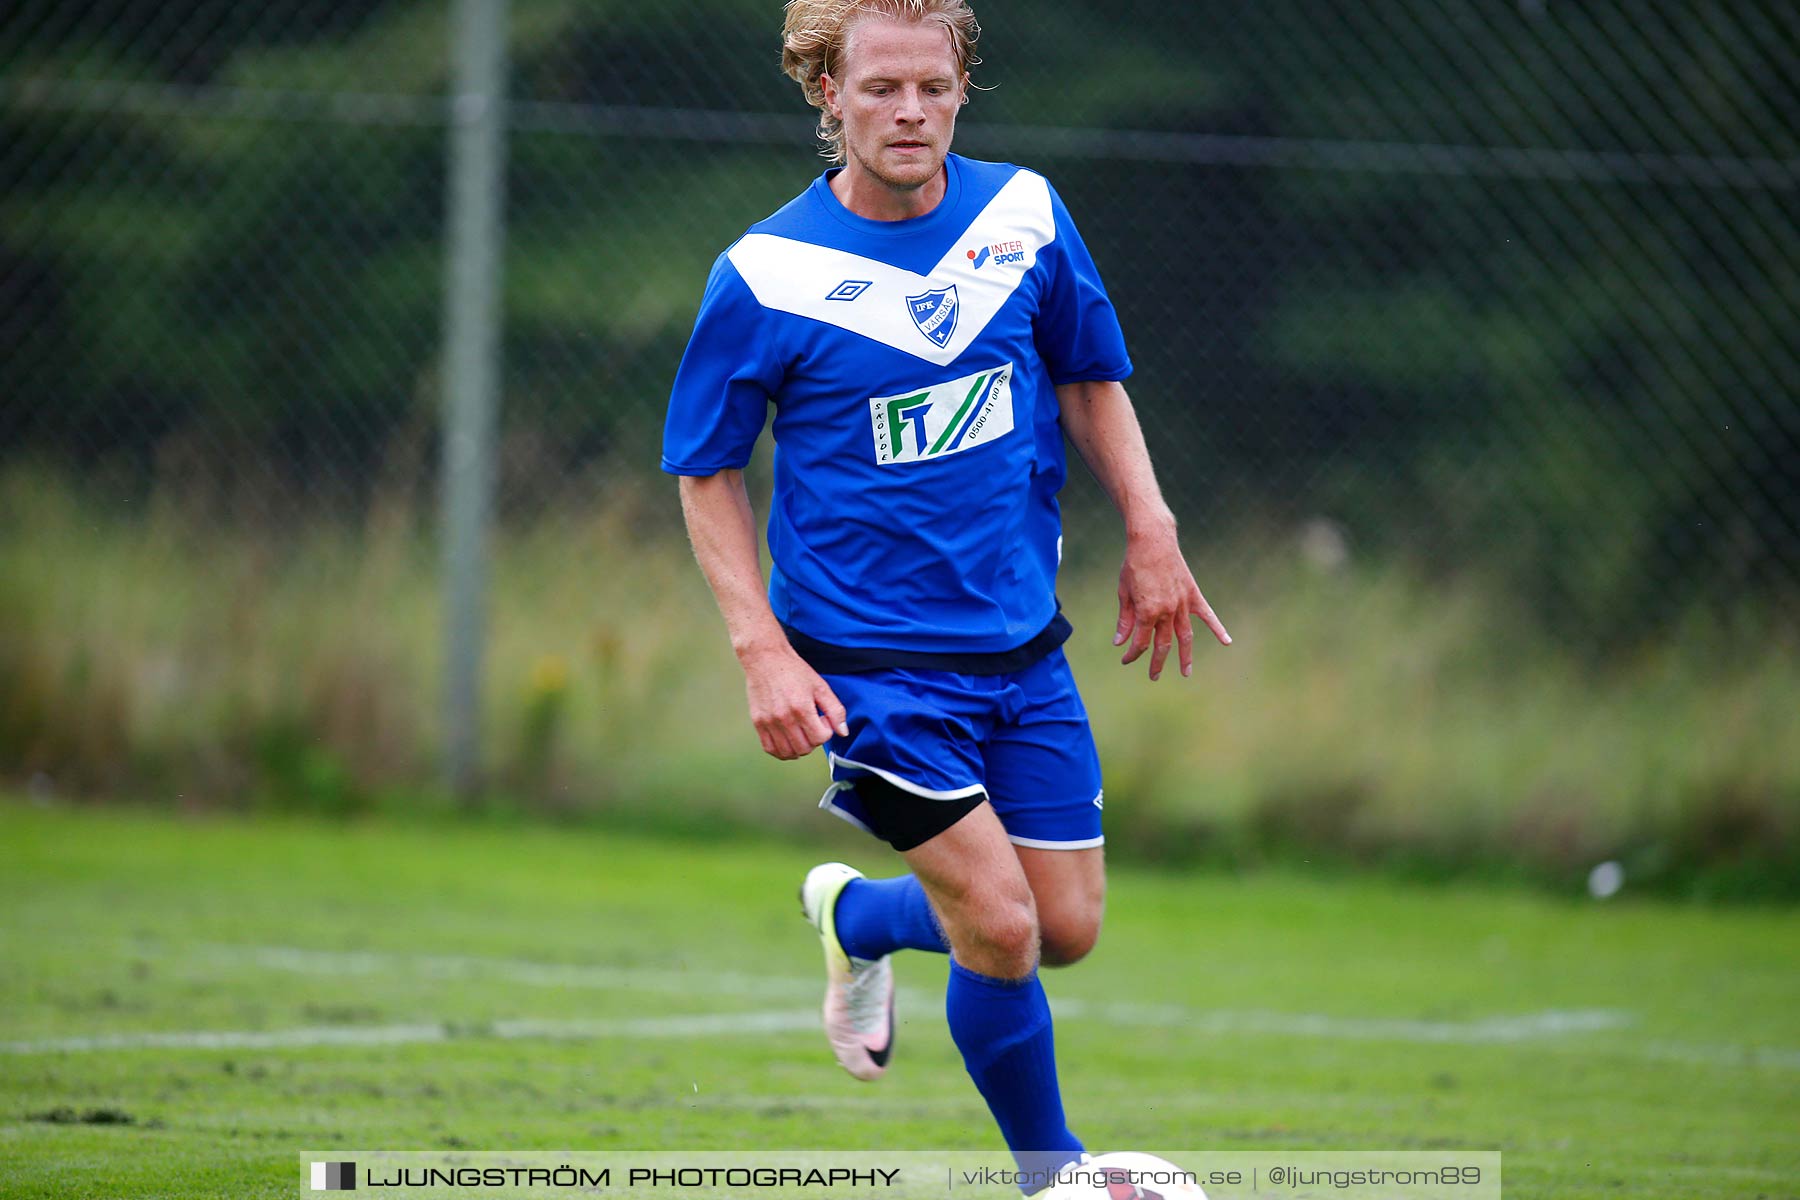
(1022, 739)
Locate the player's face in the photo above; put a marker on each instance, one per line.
(897, 93)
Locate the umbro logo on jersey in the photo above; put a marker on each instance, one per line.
(1003, 254)
(934, 312)
(793, 276)
(850, 289)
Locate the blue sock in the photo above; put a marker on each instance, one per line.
(876, 917)
(1002, 1027)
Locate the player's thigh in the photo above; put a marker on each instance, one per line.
(977, 884)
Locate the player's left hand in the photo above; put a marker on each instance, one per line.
(1157, 600)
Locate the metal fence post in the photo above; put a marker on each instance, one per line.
(471, 364)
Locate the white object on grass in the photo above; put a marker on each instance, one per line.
(1605, 880)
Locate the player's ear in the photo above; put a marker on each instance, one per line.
(965, 89)
(829, 86)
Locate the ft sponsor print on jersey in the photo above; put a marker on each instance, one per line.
(943, 419)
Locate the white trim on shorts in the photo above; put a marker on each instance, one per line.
(826, 804)
(1039, 844)
(962, 793)
(839, 785)
(1084, 844)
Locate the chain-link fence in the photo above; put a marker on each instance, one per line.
(1506, 289)
(1478, 282)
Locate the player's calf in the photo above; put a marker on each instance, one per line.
(1067, 941)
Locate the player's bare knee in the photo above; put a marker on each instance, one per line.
(1005, 939)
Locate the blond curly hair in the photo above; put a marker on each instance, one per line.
(812, 45)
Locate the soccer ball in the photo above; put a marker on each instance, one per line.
(1126, 1175)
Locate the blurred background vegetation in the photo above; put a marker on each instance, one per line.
(1467, 344)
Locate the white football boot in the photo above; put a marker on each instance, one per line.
(859, 993)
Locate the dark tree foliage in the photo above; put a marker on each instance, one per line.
(1515, 286)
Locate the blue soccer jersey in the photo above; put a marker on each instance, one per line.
(911, 366)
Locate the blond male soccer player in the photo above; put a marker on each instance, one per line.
(927, 328)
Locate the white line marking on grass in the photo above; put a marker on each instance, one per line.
(1550, 1025)
(782, 1021)
(1720, 1056)
(538, 974)
(321, 1035)
(511, 970)
(803, 1020)
(697, 1025)
(1527, 1027)
(1505, 1030)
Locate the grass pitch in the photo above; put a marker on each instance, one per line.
(185, 1003)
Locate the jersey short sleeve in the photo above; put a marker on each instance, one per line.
(728, 375)
(1077, 330)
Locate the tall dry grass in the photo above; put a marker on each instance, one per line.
(1365, 714)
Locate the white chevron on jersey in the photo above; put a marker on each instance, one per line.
(800, 277)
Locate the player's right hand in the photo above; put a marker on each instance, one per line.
(793, 709)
